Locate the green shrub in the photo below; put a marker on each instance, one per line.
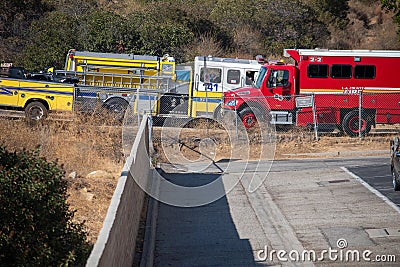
(36, 227)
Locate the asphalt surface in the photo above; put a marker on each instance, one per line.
(379, 177)
(302, 204)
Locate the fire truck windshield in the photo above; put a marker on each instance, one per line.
(260, 78)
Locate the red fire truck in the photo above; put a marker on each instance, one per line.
(336, 82)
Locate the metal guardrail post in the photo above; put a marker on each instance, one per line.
(150, 103)
(236, 119)
(150, 127)
(222, 111)
(314, 110)
(137, 105)
(360, 115)
(207, 101)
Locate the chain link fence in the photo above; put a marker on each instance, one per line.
(355, 115)
(190, 122)
(258, 120)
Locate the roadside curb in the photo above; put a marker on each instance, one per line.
(340, 153)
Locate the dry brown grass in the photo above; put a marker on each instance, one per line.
(206, 45)
(83, 145)
(294, 143)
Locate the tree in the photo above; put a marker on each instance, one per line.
(50, 39)
(331, 12)
(15, 19)
(231, 14)
(76, 8)
(36, 223)
(104, 31)
(393, 6)
(162, 38)
(288, 24)
(17, 15)
(191, 18)
(237, 30)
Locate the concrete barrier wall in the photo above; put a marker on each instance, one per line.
(115, 245)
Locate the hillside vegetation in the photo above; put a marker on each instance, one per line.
(37, 34)
(36, 223)
(90, 153)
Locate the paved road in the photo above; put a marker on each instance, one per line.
(373, 170)
(206, 235)
(304, 204)
(379, 177)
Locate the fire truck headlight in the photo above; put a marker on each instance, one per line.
(231, 103)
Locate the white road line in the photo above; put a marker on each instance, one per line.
(373, 190)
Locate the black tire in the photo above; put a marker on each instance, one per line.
(36, 111)
(396, 185)
(249, 117)
(350, 124)
(218, 112)
(118, 107)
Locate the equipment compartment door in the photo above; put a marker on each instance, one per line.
(9, 92)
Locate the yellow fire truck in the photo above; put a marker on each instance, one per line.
(156, 85)
(36, 98)
(120, 80)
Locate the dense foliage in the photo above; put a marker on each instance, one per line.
(36, 223)
(38, 33)
(394, 6)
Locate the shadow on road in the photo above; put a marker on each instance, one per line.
(199, 236)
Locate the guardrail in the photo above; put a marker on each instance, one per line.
(115, 245)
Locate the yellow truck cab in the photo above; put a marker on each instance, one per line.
(215, 75)
(199, 86)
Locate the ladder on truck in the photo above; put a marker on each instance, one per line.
(120, 70)
(122, 82)
(131, 77)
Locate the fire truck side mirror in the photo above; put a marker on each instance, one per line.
(394, 147)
